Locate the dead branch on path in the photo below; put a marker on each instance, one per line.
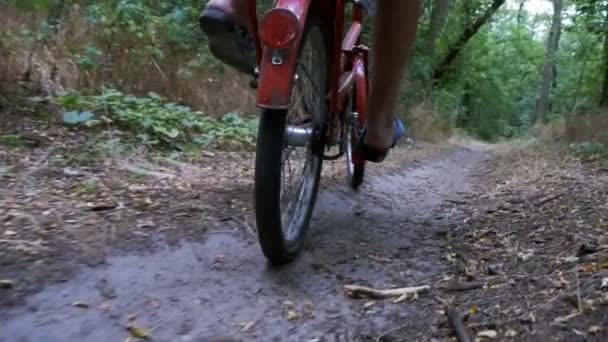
(356, 291)
(548, 199)
(457, 323)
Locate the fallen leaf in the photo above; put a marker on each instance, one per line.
(293, 315)
(81, 304)
(247, 326)
(92, 123)
(368, 305)
(489, 334)
(10, 233)
(604, 285)
(595, 329)
(6, 284)
(560, 282)
(139, 332)
(524, 256)
(451, 257)
(589, 268)
(570, 259)
(604, 264)
(473, 309)
(578, 332)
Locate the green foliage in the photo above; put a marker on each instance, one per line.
(75, 117)
(153, 121)
(11, 140)
(491, 88)
(145, 31)
(32, 5)
(590, 150)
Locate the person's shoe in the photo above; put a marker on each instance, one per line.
(226, 23)
(376, 155)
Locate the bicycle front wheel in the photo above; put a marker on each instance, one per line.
(287, 170)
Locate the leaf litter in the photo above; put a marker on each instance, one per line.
(539, 214)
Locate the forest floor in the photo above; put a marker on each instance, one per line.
(97, 244)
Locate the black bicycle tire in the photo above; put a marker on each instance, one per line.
(267, 187)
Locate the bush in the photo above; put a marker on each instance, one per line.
(153, 121)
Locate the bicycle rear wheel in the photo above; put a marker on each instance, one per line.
(287, 174)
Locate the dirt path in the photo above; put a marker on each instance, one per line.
(222, 286)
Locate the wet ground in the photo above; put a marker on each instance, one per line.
(393, 233)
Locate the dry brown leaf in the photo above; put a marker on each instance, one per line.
(473, 309)
(293, 315)
(560, 282)
(139, 332)
(589, 268)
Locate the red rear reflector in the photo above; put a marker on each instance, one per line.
(278, 28)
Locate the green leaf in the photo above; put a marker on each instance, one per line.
(173, 133)
(76, 117)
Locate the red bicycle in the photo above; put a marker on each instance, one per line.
(312, 88)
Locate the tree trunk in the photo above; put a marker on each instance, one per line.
(604, 93)
(520, 12)
(439, 14)
(468, 33)
(579, 81)
(548, 71)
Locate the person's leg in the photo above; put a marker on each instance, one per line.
(394, 34)
(226, 23)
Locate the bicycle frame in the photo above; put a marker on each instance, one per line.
(276, 79)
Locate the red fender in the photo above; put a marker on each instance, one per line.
(275, 83)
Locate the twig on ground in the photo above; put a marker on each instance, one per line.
(386, 333)
(356, 291)
(457, 324)
(578, 295)
(548, 199)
